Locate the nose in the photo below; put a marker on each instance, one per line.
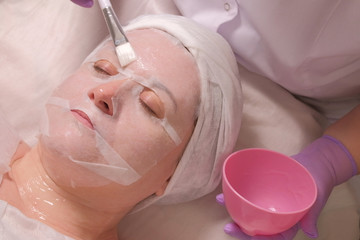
(101, 96)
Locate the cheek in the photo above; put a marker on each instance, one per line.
(63, 139)
(77, 84)
(67, 136)
(142, 142)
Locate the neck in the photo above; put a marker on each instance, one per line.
(37, 196)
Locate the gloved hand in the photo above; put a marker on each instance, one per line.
(234, 230)
(330, 164)
(84, 3)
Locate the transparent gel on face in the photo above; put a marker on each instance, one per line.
(108, 163)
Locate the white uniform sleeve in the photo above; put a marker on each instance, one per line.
(311, 48)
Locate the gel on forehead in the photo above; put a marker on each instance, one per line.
(173, 39)
(111, 47)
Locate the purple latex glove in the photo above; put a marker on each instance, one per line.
(330, 164)
(234, 230)
(84, 3)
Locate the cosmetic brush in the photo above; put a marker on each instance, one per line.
(123, 48)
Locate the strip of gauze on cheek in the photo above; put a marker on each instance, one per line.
(116, 169)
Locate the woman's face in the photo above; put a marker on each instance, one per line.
(137, 119)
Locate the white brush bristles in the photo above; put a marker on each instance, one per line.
(104, 3)
(125, 53)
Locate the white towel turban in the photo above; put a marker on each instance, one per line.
(218, 124)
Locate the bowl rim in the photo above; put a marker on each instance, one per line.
(226, 181)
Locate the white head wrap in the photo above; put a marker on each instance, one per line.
(219, 118)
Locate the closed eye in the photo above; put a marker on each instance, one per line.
(152, 103)
(147, 108)
(104, 67)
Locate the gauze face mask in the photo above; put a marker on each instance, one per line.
(109, 126)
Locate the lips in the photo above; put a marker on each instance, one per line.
(83, 118)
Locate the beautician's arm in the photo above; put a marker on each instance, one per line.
(347, 131)
(332, 159)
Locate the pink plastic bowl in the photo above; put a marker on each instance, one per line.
(266, 192)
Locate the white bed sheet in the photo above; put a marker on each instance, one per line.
(42, 41)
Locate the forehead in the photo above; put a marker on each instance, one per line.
(148, 44)
(159, 55)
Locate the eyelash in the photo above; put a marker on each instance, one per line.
(99, 70)
(147, 108)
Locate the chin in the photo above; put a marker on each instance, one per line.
(56, 160)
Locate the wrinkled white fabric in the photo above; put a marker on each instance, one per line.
(9, 141)
(219, 114)
(14, 225)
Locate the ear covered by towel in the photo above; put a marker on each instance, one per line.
(219, 117)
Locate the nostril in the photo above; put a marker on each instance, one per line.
(91, 95)
(102, 99)
(106, 106)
